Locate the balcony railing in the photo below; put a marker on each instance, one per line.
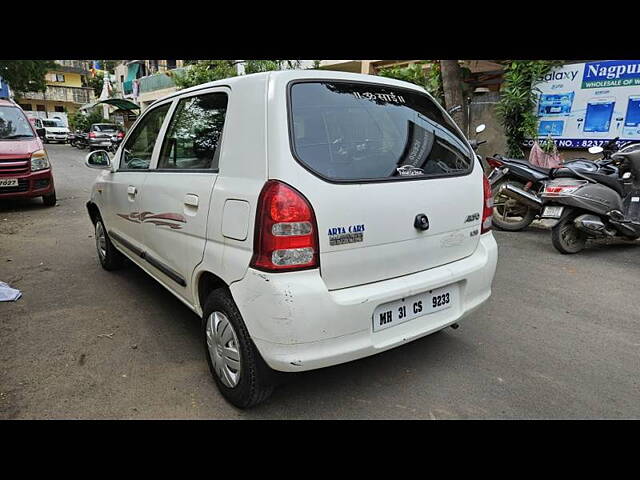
(73, 66)
(158, 81)
(80, 95)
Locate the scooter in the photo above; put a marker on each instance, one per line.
(517, 184)
(116, 140)
(585, 207)
(81, 141)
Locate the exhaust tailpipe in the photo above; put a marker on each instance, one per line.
(593, 225)
(522, 196)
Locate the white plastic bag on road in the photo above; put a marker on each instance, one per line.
(8, 294)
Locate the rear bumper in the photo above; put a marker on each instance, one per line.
(30, 185)
(99, 142)
(297, 324)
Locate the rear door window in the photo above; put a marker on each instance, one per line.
(348, 132)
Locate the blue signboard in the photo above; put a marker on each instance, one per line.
(4, 89)
(586, 104)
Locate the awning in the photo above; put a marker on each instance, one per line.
(119, 103)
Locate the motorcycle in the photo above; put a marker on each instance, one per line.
(81, 141)
(595, 207)
(517, 184)
(116, 140)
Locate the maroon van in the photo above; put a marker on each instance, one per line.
(25, 170)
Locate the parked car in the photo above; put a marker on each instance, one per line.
(310, 218)
(100, 135)
(25, 170)
(54, 129)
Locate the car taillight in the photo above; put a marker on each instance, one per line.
(286, 233)
(120, 135)
(92, 135)
(494, 163)
(487, 205)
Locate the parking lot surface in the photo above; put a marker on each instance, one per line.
(560, 337)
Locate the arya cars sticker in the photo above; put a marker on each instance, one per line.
(345, 235)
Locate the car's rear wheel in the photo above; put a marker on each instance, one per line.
(240, 373)
(110, 258)
(50, 200)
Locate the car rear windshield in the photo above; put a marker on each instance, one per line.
(52, 123)
(347, 131)
(105, 128)
(14, 124)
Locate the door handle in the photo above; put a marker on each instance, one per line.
(191, 200)
(131, 190)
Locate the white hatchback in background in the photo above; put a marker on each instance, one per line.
(310, 217)
(54, 128)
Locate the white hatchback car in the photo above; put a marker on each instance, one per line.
(309, 217)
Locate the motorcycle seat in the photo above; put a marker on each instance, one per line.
(610, 181)
(525, 163)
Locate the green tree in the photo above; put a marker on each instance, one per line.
(25, 75)
(449, 93)
(96, 83)
(82, 120)
(428, 78)
(518, 101)
(203, 71)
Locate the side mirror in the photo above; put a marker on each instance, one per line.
(595, 150)
(480, 128)
(98, 159)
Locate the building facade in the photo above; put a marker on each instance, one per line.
(66, 91)
(145, 81)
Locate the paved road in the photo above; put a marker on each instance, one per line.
(560, 337)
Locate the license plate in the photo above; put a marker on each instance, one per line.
(405, 309)
(552, 212)
(8, 182)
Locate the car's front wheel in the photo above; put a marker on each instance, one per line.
(240, 373)
(110, 258)
(50, 200)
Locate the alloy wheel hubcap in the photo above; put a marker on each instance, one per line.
(101, 240)
(222, 343)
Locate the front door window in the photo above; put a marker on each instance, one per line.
(138, 150)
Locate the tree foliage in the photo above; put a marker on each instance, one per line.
(81, 120)
(203, 71)
(430, 78)
(25, 75)
(96, 82)
(518, 100)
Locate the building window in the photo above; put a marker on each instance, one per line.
(55, 77)
(40, 108)
(171, 64)
(59, 108)
(26, 106)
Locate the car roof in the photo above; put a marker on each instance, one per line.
(5, 102)
(291, 75)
